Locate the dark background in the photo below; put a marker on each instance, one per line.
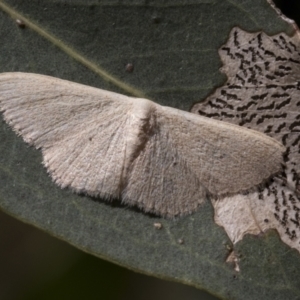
(290, 8)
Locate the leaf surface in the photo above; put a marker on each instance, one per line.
(173, 46)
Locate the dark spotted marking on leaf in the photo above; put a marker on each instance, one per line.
(20, 23)
(264, 76)
(129, 68)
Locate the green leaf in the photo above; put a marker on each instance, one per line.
(173, 46)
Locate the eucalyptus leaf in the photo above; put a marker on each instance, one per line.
(173, 47)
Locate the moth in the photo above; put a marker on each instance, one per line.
(161, 159)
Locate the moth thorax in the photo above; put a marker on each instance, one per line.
(141, 127)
